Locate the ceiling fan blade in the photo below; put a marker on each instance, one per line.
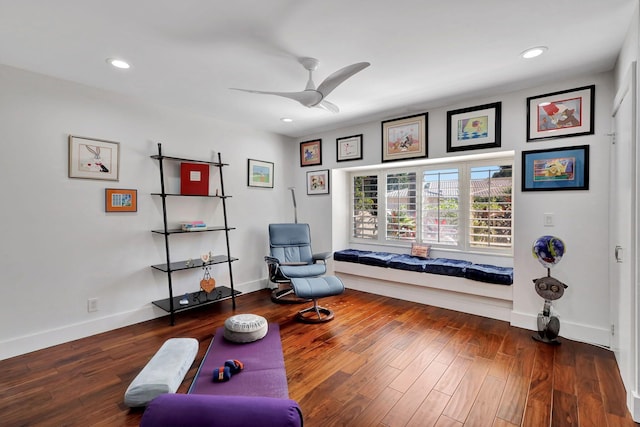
(331, 82)
(308, 98)
(329, 106)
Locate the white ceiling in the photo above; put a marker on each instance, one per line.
(423, 53)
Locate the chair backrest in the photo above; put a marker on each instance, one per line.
(290, 242)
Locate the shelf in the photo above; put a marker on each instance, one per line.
(196, 299)
(190, 195)
(179, 159)
(172, 304)
(181, 231)
(195, 263)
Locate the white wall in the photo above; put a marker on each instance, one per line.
(580, 216)
(59, 248)
(626, 352)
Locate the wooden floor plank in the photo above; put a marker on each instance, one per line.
(565, 409)
(380, 362)
(430, 410)
(514, 399)
(462, 400)
(483, 411)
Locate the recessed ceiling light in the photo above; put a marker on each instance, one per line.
(286, 119)
(118, 63)
(533, 52)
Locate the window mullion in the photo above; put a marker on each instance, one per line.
(465, 206)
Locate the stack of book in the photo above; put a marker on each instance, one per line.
(193, 226)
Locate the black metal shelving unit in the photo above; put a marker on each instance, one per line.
(198, 298)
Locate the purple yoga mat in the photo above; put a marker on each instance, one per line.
(264, 373)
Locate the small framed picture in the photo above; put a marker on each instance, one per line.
(561, 114)
(404, 138)
(349, 148)
(259, 173)
(565, 168)
(318, 182)
(474, 127)
(311, 153)
(120, 200)
(91, 158)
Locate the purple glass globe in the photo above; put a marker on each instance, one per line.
(549, 250)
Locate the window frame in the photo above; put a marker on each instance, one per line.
(464, 167)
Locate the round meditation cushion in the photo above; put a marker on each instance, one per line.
(243, 328)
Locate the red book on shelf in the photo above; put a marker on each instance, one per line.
(194, 179)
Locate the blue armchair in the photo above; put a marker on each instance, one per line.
(291, 257)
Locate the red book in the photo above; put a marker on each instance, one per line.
(194, 179)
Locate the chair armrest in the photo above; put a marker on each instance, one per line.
(272, 260)
(321, 256)
(273, 265)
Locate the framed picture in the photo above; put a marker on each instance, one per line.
(311, 153)
(93, 158)
(565, 168)
(120, 200)
(404, 138)
(349, 148)
(318, 182)
(474, 127)
(259, 173)
(561, 114)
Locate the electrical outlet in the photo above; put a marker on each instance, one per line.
(92, 305)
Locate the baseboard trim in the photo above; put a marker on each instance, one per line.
(482, 306)
(55, 336)
(574, 331)
(633, 402)
(51, 337)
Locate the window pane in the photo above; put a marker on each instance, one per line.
(440, 206)
(401, 206)
(365, 207)
(490, 219)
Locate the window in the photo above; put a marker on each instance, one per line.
(365, 207)
(464, 205)
(401, 206)
(490, 213)
(440, 206)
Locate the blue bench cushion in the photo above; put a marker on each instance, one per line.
(490, 274)
(407, 262)
(378, 259)
(445, 266)
(349, 255)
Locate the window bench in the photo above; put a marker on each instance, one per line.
(479, 289)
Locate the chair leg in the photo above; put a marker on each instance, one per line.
(318, 314)
(286, 295)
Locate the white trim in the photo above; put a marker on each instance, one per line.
(453, 293)
(51, 337)
(466, 303)
(436, 281)
(570, 330)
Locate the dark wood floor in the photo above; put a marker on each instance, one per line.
(380, 362)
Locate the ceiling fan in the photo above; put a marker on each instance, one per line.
(312, 96)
